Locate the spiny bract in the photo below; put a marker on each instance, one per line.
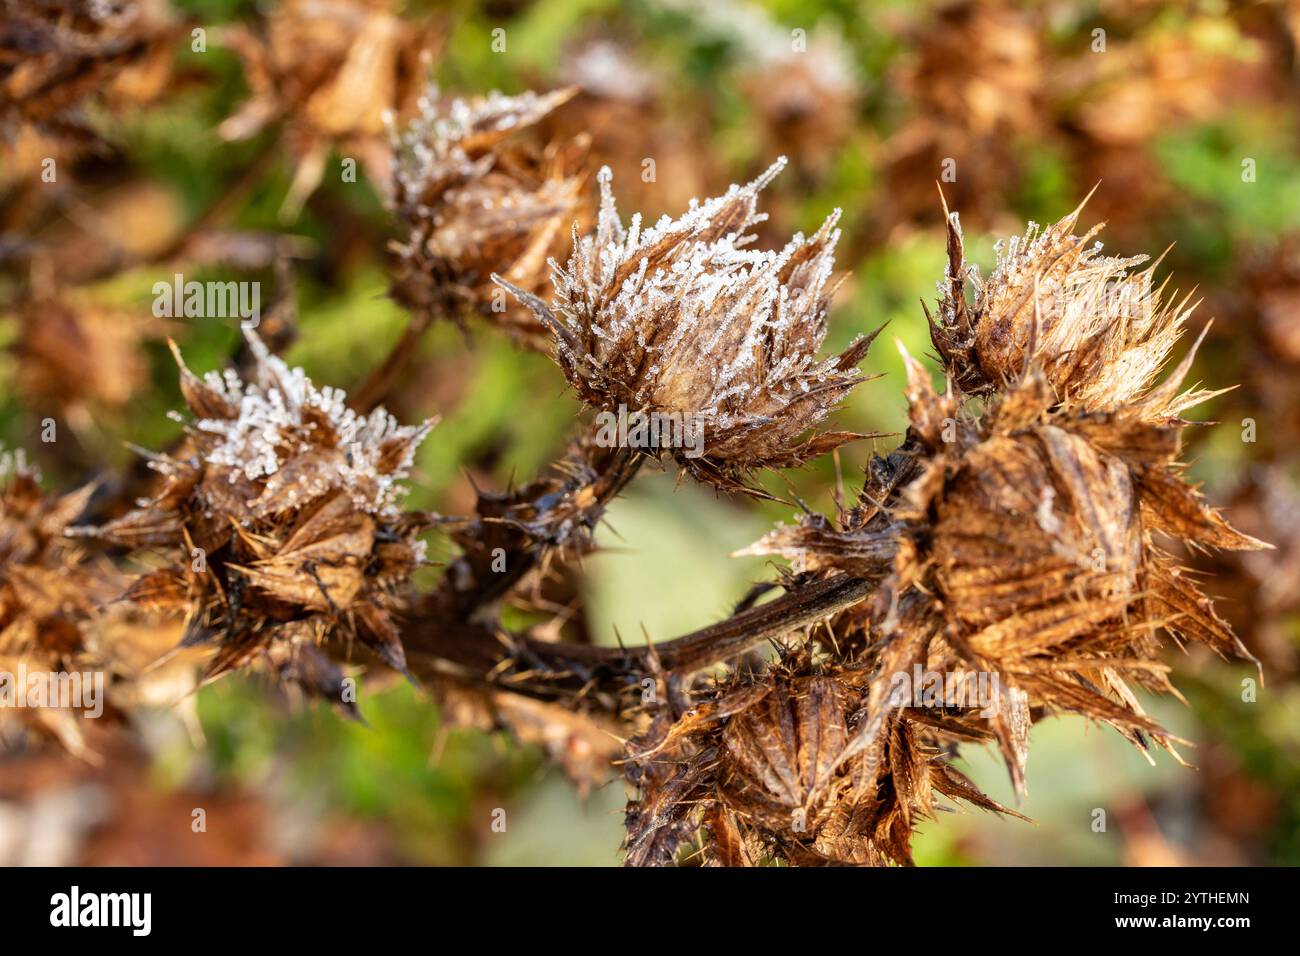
(279, 525)
(684, 319)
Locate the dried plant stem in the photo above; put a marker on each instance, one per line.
(547, 669)
(741, 632)
(581, 503)
(375, 387)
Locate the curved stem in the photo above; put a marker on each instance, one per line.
(374, 387)
(547, 669)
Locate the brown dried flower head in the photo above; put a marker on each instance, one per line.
(795, 764)
(682, 319)
(280, 524)
(1100, 331)
(58, 56)
(478, 201)
(331, 71)
(1019, 540)
(48, 592)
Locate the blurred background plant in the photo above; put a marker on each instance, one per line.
(226, 150)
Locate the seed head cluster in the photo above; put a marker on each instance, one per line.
(1021, 531)
(684, 318)
(1023, 542)
(278, 527)
(476, 200)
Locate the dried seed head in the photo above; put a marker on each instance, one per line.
(331, 72)
(58, 56)
(601, 67)
(476, 205)
(282, 522)
(682, 319)
(1099, 330)
(622, 106)
(775, 767)
(293, 442)
(1043, 546)
(48, 594)
(1017, 541)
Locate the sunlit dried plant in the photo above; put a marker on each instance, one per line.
(330, 72)
(1017, 539)
(1026, 534)
(58, 57)
(49, 592)
(683, 319)
(478, 200)
(278, 525)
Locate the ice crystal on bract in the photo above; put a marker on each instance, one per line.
(476, 204)
(1099, 329)
(450, 140)
(281, 519)
(682, 318)
(300, 441)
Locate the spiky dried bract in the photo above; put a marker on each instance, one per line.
(1050, 505)
(523, 529)
(49, 595)
(773, 767)
(1044, 553)
(330, 72)
(1100, 330)
(1018, 538)
(59, 56)
(281, 523)
(682, 319)
(477, 201)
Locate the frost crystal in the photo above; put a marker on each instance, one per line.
(683, 317)
(477, 201)
(1099, 328)
(445, 141)
(283, 423)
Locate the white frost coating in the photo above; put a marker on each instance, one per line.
(270, 430)
(704, 271)
(14, 463)
(430, 148)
